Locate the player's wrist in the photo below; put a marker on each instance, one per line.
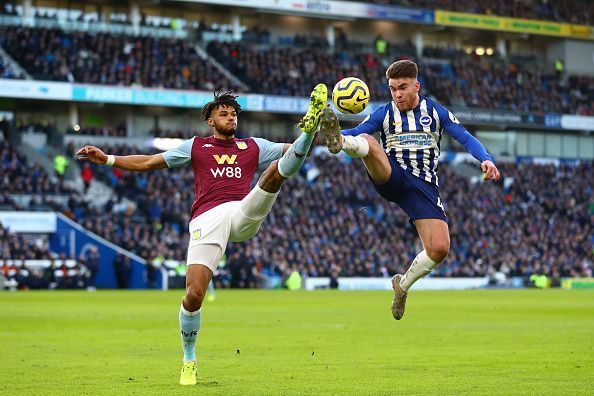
(110, 160)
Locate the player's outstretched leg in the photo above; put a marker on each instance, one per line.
(294, 157)
(258, 203)
(363, 146)
(354, 146)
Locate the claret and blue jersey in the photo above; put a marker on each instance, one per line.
(413, 137)
(223, 169)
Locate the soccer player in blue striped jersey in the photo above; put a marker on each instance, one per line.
(403, 168)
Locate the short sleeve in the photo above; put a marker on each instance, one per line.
(180, 155)
(269, 151)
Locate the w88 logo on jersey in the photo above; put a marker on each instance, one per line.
(227, 171)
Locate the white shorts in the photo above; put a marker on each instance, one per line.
(234, 221)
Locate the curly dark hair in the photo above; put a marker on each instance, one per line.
(220, 98)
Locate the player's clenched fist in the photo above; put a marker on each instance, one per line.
(490, 170)
(93, 154)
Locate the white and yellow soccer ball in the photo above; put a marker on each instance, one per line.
(350, 95)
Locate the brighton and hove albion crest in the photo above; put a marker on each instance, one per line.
(425, 120)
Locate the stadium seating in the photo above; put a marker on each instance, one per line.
(52, 54)
(572, 11)
(18, 175)
(538, 219)
(486, 82)
(104, 130)
(27, 263)
(540, 222)
(6, 71)
(468, 80)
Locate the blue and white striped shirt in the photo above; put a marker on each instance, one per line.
(413, 137)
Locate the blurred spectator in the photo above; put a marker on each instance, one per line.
(92, 262)
(87, 176)
(60, 165)
(559, 67)
(123, 270)
(8, 72)
(5, 128)
(381, 46)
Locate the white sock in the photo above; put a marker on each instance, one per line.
(355, 146)
(421, 266)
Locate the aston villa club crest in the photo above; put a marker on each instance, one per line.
(241, 145)
(196, 234)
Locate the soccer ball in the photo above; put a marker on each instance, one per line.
(350, 95)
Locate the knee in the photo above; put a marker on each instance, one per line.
(194, 298)
(438, 251)
(271, 179)
(273, 175)
(373, 143)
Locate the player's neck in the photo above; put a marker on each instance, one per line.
(220, 136)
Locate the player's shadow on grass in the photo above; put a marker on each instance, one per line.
(208, 384)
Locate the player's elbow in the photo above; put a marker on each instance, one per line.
(154, 162)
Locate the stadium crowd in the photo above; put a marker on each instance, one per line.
(466, 79)
(17, 271)
(104, 58)
(542, 222)
(19, 176)
(7, 72)
(515, 86)
(537, 220)
(572, 11)
(103, 130)
(451, 75)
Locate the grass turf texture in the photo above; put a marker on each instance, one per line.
(278, 342)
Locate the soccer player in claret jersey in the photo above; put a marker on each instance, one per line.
(403, 168)
(224, 208)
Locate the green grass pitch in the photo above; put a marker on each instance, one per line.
(279, 342)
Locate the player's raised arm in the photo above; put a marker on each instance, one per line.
(451, 125)
(127, 162)
(349, 139)
(370, 125)
(167, 159)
